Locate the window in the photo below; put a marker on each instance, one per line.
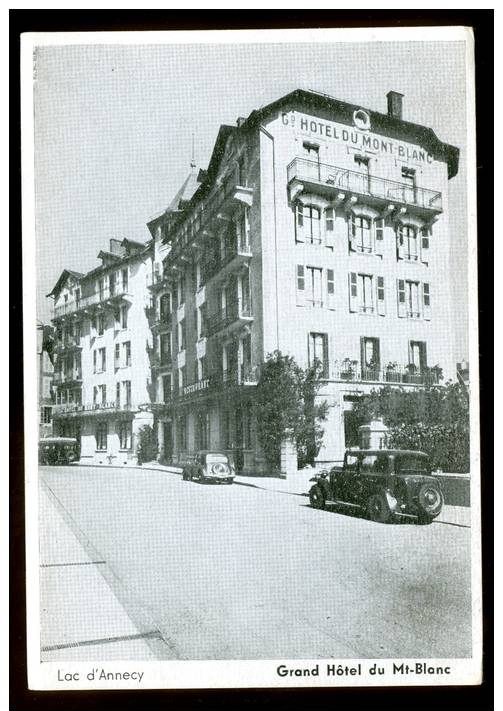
(125, 280)
(361, 293)
(329, 225)
(417, 356)
(202, 314)
(360, 234)
(181, 290)
(407, 242)
(46, 415)
(370, 358)
(426, 301)
(245, 295)
(182, 433)
(166, 388)
(318, 351)
(381, 301)
(123, 315)
(202, 430)
(101, 324)
(181, 335)
(165, 307)
(126, 393)
(101, 435)
(330, 289)
(100, 360)
(412, 299)
(126, 353)
(101, 288)
(182, 377)
(165, 348)
(308, 224)
(314, 294)
(409, 180)
(117, 394)
(202, 370)
(125, 435)
(102, 390)
(117, 356)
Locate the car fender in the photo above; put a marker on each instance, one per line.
(392, 502)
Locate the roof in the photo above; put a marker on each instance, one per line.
(381, 123)
(62, 278)
(189, 187)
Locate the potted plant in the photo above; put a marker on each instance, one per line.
(411, 374)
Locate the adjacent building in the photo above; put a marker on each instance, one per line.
(45, 370)
(102, 369)
(319, 229)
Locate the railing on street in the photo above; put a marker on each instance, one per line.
(363, 184)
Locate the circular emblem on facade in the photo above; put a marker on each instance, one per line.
(361, 119)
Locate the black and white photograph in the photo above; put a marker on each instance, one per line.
(251, 359)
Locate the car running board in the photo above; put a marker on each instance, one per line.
(336, 502)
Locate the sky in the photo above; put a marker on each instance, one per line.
(114, 127)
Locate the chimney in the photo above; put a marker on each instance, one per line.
(394, 104)
(240, 121)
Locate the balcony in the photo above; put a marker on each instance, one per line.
(68, 344)
(220, 209)
(228, 319)
(351, 371)
(72, 377)
(159, 361)
(159, 280)
(340, 184)
(100, 409)
(161, 323)
(242, 374)
(100, 300)
(231, 259)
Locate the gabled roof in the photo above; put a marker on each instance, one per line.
(65, 274)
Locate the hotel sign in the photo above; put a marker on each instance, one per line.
(360, 139)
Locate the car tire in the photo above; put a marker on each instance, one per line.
(378, 509)
(185, 476)
(430, 502)
(317, 498)
(424, 520)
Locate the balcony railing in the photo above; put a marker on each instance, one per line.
(89, 409)
(332, 177)
(73, 376)
(401, 375)
(232, 314)
(98, 299)
(68, 343)
(232, 257)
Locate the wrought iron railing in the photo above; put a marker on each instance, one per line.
(225, 317)
(98, 297)
(363, 183)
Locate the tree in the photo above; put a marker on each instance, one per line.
(285, 403)
(147, 444)
(434, 419)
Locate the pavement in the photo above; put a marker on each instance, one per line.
(138, 564)
(81, 618)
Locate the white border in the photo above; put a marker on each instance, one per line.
(231, 673)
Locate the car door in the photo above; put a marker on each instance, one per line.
(345, 480)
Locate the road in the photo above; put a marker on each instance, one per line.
(237, 572)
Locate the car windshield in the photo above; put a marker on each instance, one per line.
(412, 463)
(213, 458)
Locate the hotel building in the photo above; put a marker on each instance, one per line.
(319, 229)
(102, 369)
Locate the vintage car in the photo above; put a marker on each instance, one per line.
(207, 466)
(384, 483)
(57, 450)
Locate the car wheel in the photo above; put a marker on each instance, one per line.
(424, 520)
(430, 502)
(378, 509)
(317, 498)
(185, 476)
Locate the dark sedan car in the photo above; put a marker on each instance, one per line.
(384, 483)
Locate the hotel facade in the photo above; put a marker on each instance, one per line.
(319, 229)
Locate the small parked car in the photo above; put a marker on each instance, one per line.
(208, 466)
(385, 484)
(57, 450)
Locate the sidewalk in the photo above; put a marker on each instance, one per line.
(299, 484)
(80, 617)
